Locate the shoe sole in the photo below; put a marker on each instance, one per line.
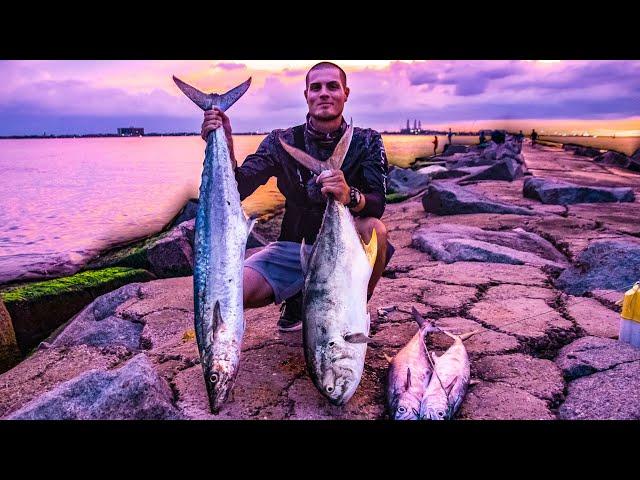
(295, 328)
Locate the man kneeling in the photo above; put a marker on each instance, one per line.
(275, 273)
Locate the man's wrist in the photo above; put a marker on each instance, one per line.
(357, 200)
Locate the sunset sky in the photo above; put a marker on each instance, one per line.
(64, 97)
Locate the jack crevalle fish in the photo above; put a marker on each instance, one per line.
(449, 381)
(409, 374)
(221, 231)
(337, 272)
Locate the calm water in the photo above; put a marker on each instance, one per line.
(626, 145)
(63, 200)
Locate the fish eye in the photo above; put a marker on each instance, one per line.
(402, 410)
(440, 413)
(331, 343)
(330, 389)
(214, 378)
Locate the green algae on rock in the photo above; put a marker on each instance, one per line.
(40, 307)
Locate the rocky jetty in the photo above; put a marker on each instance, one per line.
(548, 349)
(564, 193)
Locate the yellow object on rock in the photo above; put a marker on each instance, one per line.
(631, 304)
(630, 321)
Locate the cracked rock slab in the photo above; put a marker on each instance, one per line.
(486, 342)
(593, 317)
(541, 378)
(589, 355)
(612, 394)
(474, 273)
(131, 392)
(498, 401)
(530, 318)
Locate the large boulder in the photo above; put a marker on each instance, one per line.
(586, 151)
(9, 351)
(134, 391)
(168, 254)
(507, 169)
(609, 395)
(448, 199)
(172, 255)
(604, 377)
(603, 265)
(188, 212)
(450, 149)
(613, 158)
(557, 192)
(39, 308)
(99, 325)
(406, 181)
(589, 355)
(459, 243)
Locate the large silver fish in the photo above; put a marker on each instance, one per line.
(409, 374)
(337, 272)
(448, 385)
(221, 232)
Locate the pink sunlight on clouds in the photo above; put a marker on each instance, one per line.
(62, 97)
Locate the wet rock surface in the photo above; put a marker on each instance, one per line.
(541, 354)
(131, 392)
(556, 192)
(454, 243)
(604, 264)
(406, 181)
(449, 199)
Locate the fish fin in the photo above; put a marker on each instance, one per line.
(305, 256)
(217, 316)
(358, 338)
(450, 385)
(407, 383)
(303, 158)
(229, 98)
(465, 336)
(251, 221)
(371, 249)
(417, 317)
(388, 358)
(340, 152)
(449, 334)
(206, 101)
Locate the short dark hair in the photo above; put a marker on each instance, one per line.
(321, 65)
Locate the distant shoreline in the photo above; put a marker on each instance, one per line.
(196, 134)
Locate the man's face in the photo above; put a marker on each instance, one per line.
(325, 94)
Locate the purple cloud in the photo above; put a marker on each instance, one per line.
(230, 66)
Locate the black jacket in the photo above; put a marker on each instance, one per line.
(365, 167)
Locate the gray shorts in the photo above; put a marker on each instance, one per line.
(279, 264)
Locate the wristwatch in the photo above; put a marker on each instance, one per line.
(355, 195)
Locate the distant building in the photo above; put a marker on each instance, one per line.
(130, 132)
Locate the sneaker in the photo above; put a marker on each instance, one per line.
(291, 314)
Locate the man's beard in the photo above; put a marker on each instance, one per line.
(325, 116)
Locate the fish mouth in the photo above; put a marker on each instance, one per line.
(219, 384)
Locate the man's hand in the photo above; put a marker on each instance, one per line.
(214, 119)
(333, 181)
